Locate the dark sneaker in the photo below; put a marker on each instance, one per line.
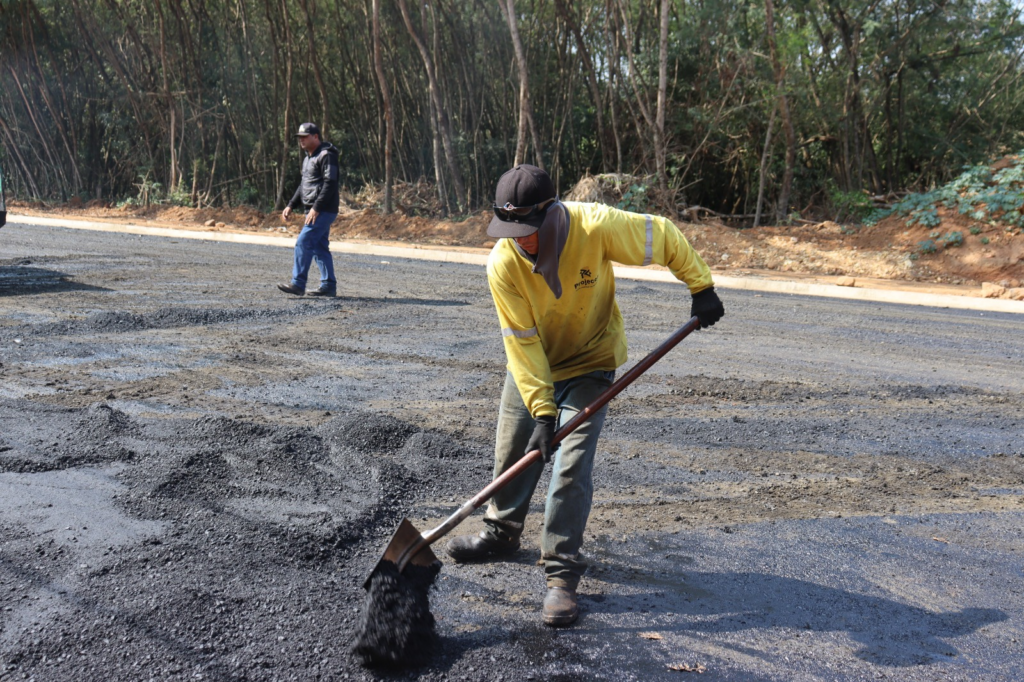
(291, 289)
(482, 546)
(328, 293)
(560, 607)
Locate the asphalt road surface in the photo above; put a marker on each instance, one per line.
(197, 472)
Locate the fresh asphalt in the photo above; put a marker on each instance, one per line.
(198, 471)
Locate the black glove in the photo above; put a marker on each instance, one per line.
(543, 432)
(707, 307)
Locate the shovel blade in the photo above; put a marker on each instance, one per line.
(404, 538)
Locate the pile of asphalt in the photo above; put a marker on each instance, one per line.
(269, 532)
(36, 437)
(119, 321)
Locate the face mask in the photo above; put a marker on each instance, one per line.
(550, 241)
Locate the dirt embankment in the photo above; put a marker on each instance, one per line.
(888, 250)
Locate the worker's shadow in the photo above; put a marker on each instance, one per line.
(890, 633)
(19, 280)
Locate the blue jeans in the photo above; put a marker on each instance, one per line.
(572, 488)
(313, 245)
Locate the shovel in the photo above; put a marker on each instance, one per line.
(408, 545)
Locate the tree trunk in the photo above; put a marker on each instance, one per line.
(900, 120)
(324, 121)
(660, 142)
(595, 90)
(26, 173)
(613, 45)
(43, 140)
(508, 8)
(782, 209)
(436, 47)
(389, 118)
(207, 198)
(286, 144)
(436, 146)
(640, 97)
(442, 116)
(849, 34)
(71, 145)
(764, 165)
(173, 170)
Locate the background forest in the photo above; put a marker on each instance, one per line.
(794, 105)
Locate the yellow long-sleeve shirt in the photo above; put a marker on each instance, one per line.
(548, 339)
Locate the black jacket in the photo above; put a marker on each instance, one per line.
(319, 186)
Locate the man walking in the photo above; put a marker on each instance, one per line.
(551, 279)
(318, 195)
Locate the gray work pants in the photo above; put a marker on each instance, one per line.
(571, 490)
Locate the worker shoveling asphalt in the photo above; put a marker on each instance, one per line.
(396, 627)
(564, 338)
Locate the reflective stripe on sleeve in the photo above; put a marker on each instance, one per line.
(649, 245)
(525, 333)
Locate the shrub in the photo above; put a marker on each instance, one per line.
(850, 206)
(634, 199)
(179, 197)
(247, 194)
(149, 190)
(977, 192)
(951, 239)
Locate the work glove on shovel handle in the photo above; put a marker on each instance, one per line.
(707, 307)
(543, 434)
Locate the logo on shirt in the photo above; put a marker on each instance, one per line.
(586, 280)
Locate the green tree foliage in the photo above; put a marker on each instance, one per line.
(196, 101)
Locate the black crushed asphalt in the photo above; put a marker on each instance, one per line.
(197, 473)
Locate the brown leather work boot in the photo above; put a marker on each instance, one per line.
(482, 546)
(292, 289)
(560, 606)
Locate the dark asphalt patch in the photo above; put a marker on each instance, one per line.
(119, 321)
(397, 628)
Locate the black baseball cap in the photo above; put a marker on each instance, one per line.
(307, 129)
(524, 186)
